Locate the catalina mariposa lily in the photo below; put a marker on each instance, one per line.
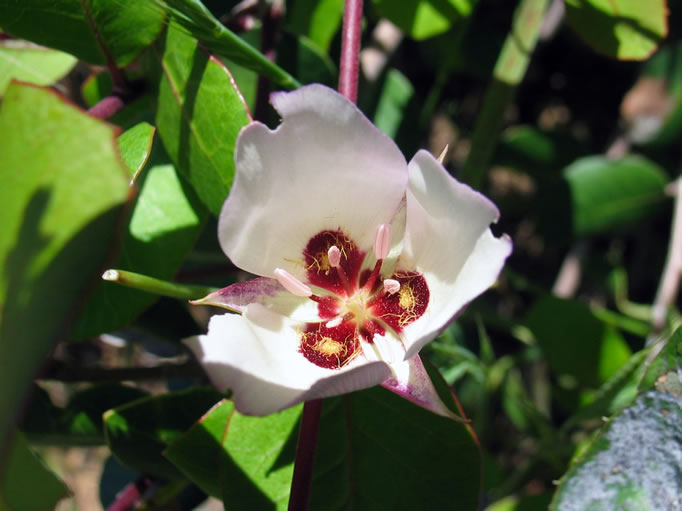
(363, 259)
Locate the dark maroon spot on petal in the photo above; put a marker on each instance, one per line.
(331, 348)
(327, 307)
(405, 306)
(319, 271)
(369, 328)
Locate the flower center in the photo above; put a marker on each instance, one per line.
(361, 305)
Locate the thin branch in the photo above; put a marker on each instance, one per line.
(670, 280)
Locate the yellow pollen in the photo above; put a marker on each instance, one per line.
(407, 300)
(329, 347)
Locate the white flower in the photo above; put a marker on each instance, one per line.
(363, 259)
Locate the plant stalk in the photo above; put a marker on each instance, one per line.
(349, 66)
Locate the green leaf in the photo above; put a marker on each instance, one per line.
(26, 484)
(135, 145)
(609, 194)
(88, 29)
(80, 421)
(20, 60)
(578, 346)
(200, 114)
(376, 447)
(246, 461)
(59, 217)
(197, 20)
(319, 20)
(421, 19)
(621, 29)
(166, 220)
(633, 463)
(139, 431)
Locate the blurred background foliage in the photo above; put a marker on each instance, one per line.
(567, 114)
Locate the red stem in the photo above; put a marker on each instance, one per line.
(350, 50)
(305, 455)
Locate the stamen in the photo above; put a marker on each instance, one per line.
(334, 255)
(291, 283)
(382, 241)
(334, 322)
(391, 286)
(373, 276)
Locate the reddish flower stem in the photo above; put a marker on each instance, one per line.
(107, 107)
(350, 50)
(305, 455)
(312, 410)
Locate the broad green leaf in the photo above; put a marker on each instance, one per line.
(26, 484)
(421, 19)
(376, 447)
(246, 461)
(135, 145)
(21, 60)
(608, 194)
(63, 187)
(621, 29)
(200, 114)
(165, 223)
(319, 20)
(577, 345)
(139, 431)
(633, 463)
(89, 29)
(80, 421)
(198, 21)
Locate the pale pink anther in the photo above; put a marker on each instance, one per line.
(291, 283)
(334, 322)
(334, 255)
(391, 286)
(382, 241)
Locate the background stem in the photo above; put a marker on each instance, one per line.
(305, 455)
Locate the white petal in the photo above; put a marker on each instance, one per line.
(448, 240)
(411, 381)
(256, 356)
(325, 167)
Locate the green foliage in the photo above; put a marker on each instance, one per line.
(251, 458)
(59, 215)
(422, 19)
(92, 31)
(29, 63)
(138, 432)
(27, 485)
(622, 29)
(607, 194)
(195, 90)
